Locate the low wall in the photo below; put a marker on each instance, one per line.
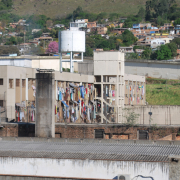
(17, 130)
(156, 69)
(8, 130)
(116, 132)
(87, 131)
(161, 115)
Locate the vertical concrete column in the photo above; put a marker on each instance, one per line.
(117, 95)
(45, 121)
(102, 96)
(20, 88)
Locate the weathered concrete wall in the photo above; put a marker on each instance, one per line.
(161, 115)
(51, 62)
(29, 178)
(174, 168)
(15, 61)
(156, 69)
(45, 125)
(86, 67)
(91, 169)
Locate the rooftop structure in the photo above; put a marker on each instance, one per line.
(91, 151)
(71, 41)
(88, 160)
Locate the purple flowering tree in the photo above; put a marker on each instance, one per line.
(52, 47)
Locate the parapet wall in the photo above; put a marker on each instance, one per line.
(156, 69)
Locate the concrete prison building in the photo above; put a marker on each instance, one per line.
(78, 98)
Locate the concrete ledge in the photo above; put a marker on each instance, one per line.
(35, 139)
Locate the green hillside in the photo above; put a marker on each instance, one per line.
(60, 8)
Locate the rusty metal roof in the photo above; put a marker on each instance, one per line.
(93, 151)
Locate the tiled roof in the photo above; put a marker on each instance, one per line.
(93, 151)
(178, 51)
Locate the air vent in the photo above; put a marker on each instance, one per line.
(143, 135)
(99, 133)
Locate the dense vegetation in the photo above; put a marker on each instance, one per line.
(164, 52)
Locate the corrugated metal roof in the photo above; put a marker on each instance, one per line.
(93, 151)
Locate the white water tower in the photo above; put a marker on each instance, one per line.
(71, 42)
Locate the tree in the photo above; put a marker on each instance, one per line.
(49, 23)
(132, 56)
(7, 3)
(90, 42)
(9, 50)
(102, 15)
(36, 50)
(177, 21)
(177, 42)
(118, 43)
(77, 11)
(52, 47)
(158, 7)
(142, 13)
(164, 53)
(19, 40)
(160, 21)
(11, 41)
(146, 53)
(37, 34)
(131, 116)
(132, 20)
(128, 38)
(148, 10)
(89, 51)
(173, 47)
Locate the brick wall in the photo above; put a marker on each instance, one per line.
(88, 131)
(116, 132)
(9, 130)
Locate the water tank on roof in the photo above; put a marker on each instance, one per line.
(72, 41)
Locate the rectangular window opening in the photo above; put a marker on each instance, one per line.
(23, 83)
(17, 82)
(1, 103)
(11, 83)
(1, 81)
(99, 133)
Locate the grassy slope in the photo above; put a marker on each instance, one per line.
(53, 8)
(162, 94)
